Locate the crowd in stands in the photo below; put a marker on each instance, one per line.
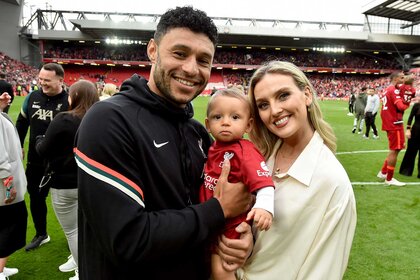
(307, 58)
(124, 53)
(237, 56)
(327, 85)
(20, 75)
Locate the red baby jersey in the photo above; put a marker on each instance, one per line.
(407, 93)
(247, 166)
(390, 115)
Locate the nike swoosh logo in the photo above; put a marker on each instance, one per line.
(160, 144)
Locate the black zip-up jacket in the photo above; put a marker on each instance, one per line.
(140, 164)
(38, 110)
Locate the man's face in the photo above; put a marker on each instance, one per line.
(181, 65)
(50, 83)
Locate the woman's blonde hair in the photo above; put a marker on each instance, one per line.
(109, 89)
(260, 135)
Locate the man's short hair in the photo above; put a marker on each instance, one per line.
(57, 68)
(395, 74)
(2, 75)
(186, 17)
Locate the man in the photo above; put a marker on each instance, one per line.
(38, 110)
(372, 107)
(352, 99)
(141, 157)
(359, 111)
(6, 87)
(391, 115)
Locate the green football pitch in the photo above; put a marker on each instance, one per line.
(387, 240)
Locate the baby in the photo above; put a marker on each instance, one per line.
(228, 119)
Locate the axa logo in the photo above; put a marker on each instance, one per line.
(42, 114)
(226, 156)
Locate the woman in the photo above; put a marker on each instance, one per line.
(314, 211)
(413, 145)
(108, 91)
(57, 148)
(13, 211)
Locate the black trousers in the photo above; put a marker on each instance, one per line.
(413, 148)
(38, 203)
(370, 122)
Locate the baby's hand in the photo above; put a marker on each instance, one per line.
(262, 218)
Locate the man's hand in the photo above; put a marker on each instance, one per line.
(235, 252)
(233, 198)
(408, 133)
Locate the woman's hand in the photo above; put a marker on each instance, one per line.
(4, 100)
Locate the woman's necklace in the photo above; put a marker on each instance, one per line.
(284, 162)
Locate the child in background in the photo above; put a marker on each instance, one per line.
(406, 93)
(407, 90)
(228, 118)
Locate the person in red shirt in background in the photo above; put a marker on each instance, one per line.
(392, 111)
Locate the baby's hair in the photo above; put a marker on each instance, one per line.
(409, 80)
(230, 92)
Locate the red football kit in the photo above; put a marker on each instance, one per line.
(247, 166)
(407, 93)
(392, 117)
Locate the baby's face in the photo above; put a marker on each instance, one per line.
(229, 119)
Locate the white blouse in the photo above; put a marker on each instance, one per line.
(314, 220)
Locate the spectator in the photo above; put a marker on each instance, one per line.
(359, 111)
(413, 144)
(57, 148)
(38, 110)
(6, 87)
(13, 211)
(108, 91)
(371, 109)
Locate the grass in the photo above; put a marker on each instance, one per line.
(387, 241)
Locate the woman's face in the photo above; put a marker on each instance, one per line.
(282, 106)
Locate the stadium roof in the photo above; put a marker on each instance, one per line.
(405, 10)
(72, 25)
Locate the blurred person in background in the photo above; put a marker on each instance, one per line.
(372, 107)
(6, 87)
(108, 91)
(413, 144)
(38, 110)
(13, 211)
(352, 98)
(359, 111)
(56, 146)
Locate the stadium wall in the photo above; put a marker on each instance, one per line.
(9, 28)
